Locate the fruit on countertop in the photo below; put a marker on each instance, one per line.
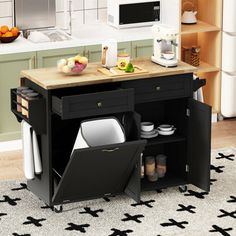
(122, 64)
(8, 35)
(72, 65)
(6, 32)
(129, 68)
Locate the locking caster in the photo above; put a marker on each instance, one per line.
(183, 188)
(58, 208)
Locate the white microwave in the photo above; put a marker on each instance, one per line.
(133, 13)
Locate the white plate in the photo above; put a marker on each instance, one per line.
(147, 136)
(161, 132)
(148, 132)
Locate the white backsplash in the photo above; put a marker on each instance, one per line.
(83, 12)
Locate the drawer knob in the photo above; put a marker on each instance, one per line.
(158, 88)
(99, 104)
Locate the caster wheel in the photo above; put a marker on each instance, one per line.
(183, 188)
(58, 208)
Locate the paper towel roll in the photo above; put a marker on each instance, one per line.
(229, 53)
(228, 95)
(111, 53)
(28, 162)
(229, 17)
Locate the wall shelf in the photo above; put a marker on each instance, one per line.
(207, 34)
(205, 67)
(200, 27)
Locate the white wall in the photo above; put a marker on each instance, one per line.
(89, 11)
(84, 11)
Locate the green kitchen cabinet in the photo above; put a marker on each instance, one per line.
(142, 48)
(125, 47)
(93, 53)
(10, 67)
(49, 58)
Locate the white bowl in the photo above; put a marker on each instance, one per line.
(168, 55)
(147, 126)
(165, 127)
(166, 133)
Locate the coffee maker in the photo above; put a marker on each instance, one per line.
(165, 45)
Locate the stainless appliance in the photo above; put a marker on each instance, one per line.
(165, 45)
(130, 13)
(35, 14)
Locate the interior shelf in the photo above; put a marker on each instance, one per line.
(169, 180)
(165, 139)
(200, 27)
(205, 67)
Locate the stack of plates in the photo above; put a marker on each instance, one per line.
(166, 129)
(149, 134)
(148, 131)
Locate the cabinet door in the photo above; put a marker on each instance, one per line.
(49, 58)
(143, 48)
(94, 53)
(100, 171)
(124, 47)
(199, 144)
(10, 67)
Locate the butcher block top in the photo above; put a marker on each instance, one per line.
(50, 78)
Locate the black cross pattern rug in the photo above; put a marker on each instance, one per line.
(160, 213)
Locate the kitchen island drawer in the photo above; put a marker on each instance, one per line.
(168, 87)
(93, 104)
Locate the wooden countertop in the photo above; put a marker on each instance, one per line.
(50, 78)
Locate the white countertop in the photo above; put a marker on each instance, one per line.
(84, 36)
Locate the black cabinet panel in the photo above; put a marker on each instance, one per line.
(199, 144)
(163, 88)
(99, 171)
(93, 104)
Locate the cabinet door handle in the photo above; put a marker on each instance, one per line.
(110, 150)
(158, 88)
(99, 104)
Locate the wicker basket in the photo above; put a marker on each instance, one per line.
(191, 55)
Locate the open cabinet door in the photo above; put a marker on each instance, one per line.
(100, 171)
(199, 144)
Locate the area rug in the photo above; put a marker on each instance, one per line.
(166, 212)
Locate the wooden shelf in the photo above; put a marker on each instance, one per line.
(200, 27)
(205, 67)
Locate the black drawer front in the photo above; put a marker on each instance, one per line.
(93, 104)
(161, 88)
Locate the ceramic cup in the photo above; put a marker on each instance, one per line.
(147, 126)
(168, 55)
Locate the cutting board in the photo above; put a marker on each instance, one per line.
(121, 73)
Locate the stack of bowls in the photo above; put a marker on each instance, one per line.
(166, 129)
(148, 130)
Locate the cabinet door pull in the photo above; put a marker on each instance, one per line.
(158, 88)
(99, 104)
(110, 150)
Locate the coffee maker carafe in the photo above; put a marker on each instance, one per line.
(165, 45)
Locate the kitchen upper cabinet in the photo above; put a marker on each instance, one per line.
(142, 48)
(93, 53)
(10, 67)
(49, 58)
(125, 47)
